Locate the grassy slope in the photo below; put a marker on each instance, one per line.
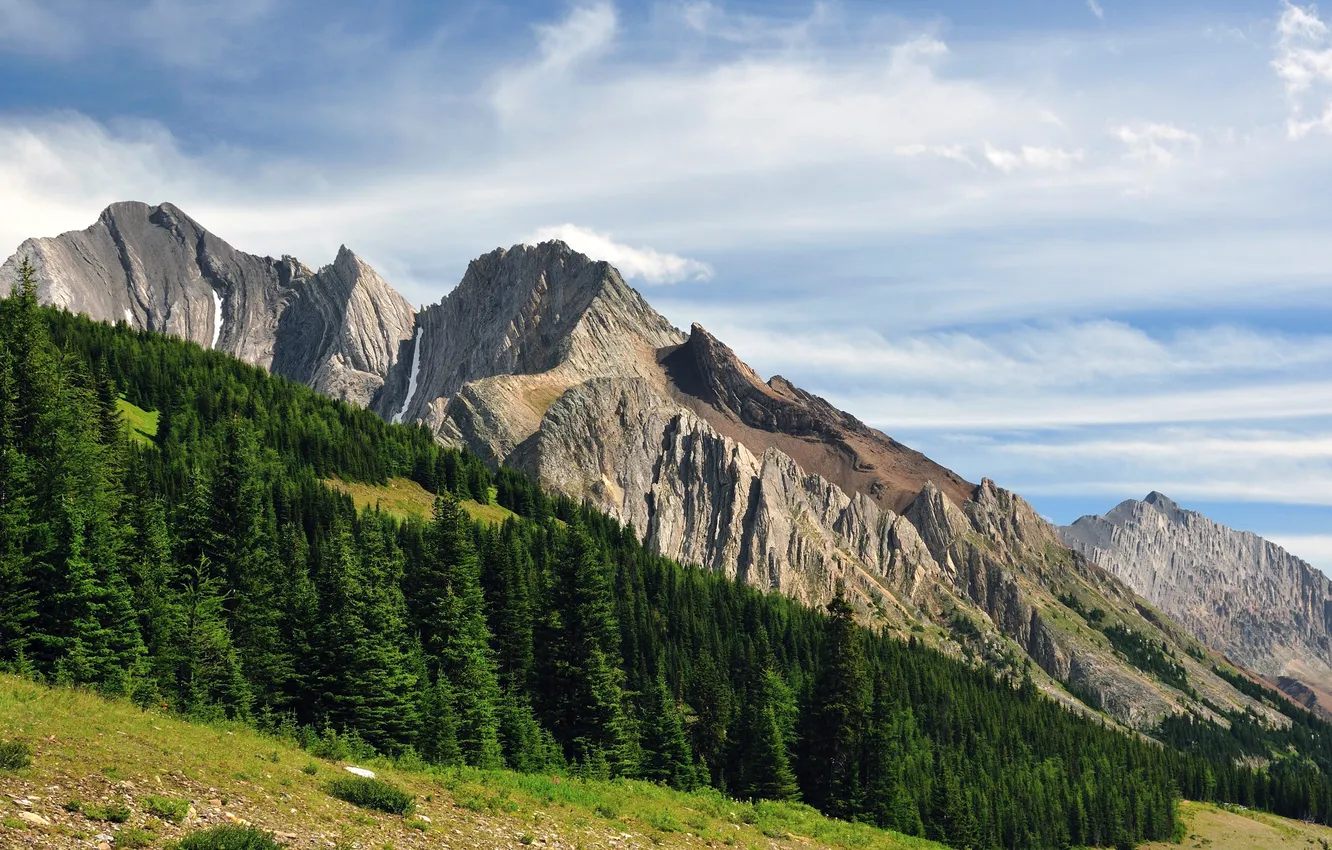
(404, 498)
(97, 751)
(142, 423)
(1230, 829)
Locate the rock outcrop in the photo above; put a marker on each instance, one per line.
(1240, 594)
(545, 360)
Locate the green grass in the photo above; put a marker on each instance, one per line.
(404, 498)
(79, 738)
(142, 423)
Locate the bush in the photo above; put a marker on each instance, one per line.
(373, 794)
(229, 837)
(134, 838)
(112, 812)
(167, 808)
(15, 755)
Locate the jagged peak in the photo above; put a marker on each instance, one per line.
(1160, 500)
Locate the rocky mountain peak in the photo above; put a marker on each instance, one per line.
(1243, 595)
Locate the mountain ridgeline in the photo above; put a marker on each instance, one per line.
(207, 567)
(545, 362)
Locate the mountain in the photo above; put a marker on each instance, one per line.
(548, 362)
(1245, 596)
(339, 329)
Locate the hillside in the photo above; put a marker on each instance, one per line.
(210, 567)
(99, 753)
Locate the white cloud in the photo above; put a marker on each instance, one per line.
(588, 30)
(1096, 9)
(1032, 157)
(646, 264)
(1314, 548)
(1304, 64)
(1158, 143)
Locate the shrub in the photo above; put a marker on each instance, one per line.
(113, 812)
(229, 837)
(168, 808)
(310, 769)
(15, 755)
(132, 837)
(373, 794)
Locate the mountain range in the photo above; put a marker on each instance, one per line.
(545, 360)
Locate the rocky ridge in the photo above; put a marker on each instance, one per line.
(1245, 596)
(545, 360)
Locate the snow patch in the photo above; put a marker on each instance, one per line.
(411, 382)
(129, 317)
(360, 771)
(217, 318)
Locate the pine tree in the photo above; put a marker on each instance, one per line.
(765, 739)
(667, 757)
(838, 714)
(450, 612)
(582, 692)
(209, 681)
(367, 682)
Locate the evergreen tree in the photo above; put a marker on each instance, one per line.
(667, 757)
(450, 613)
(765, 740)
(209, 681)
(837, 715)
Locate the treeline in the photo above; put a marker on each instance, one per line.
(212, 572)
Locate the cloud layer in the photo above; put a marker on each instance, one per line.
(1086, 258)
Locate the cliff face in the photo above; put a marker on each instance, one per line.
(1233, 590)
(545, 360)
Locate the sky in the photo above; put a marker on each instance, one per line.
(1081, 247)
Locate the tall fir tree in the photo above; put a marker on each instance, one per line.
(838, 713)
(449, 611)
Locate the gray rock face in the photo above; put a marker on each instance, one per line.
(340, 330)
(1235, 591)
(547, 361)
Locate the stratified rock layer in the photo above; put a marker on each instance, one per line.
(1243, 595)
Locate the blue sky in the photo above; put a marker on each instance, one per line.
(1083, 248)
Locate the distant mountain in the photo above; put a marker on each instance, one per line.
(1243, 595)
(545, 360)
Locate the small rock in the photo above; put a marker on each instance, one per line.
(103, 846)
(192, 814)
(360, 771)
(23, 803)
(217, 804)
(424, 818)
(34, 819)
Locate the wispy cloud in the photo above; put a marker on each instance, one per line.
(1095, 9)
(1304, 63)
(1159, 143)
(1032, 157)
(587, 31)
(646, 264)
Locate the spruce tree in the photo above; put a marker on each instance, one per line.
(667, 757)
(449, 610)
(838, 714)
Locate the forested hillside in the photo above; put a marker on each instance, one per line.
(209, 569)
